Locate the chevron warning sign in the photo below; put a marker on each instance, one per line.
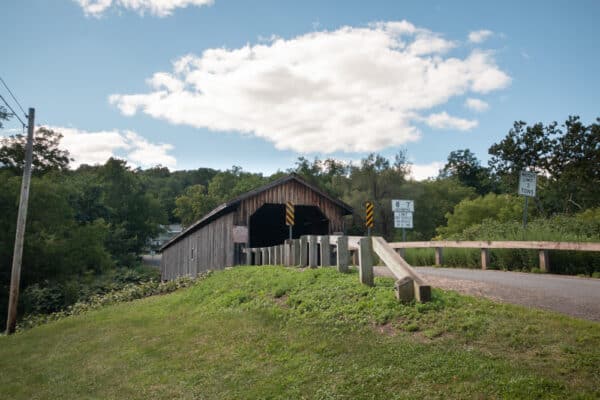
(289, 214)
(369, 220)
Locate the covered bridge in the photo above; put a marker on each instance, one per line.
(254, 219)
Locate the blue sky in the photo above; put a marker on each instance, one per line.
(260, 83)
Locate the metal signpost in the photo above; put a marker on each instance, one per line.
(527, 186)
(403, 215)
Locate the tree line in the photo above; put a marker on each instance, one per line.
(88, 226)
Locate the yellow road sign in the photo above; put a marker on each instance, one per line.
(289, 214)
(369, 220)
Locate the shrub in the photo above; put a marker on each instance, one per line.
(128, 293)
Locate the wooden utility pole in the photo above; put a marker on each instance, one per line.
(15, 277)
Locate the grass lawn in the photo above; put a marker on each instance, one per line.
(271, 332)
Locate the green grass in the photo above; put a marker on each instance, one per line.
(271, 332)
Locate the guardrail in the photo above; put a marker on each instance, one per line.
(485, 246)
(313, 251)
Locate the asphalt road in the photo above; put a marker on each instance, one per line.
(578, 297)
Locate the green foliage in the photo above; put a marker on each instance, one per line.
(128, 292)
(565, 157)
(492, 207)
(327, 336)
(582, 227)
(463, 166)
(47, 156)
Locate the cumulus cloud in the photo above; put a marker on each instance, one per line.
(480, 36)
(352, 89)
(476, 104)
(445, 121)
(96, 147)
(419, 172)
(159, 8)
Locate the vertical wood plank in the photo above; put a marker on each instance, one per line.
(304, 251)
(325, 251)
(544, 261)
(439, 257)
(365, 261)
(312, 251)
(485, 258)
(342, 254)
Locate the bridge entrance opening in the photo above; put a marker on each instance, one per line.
(268, 228)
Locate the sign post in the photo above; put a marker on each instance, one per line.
(289, 216)
(527, 188)
(403, 215)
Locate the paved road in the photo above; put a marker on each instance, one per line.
(578, 297)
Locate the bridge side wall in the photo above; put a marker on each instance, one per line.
(208, 248)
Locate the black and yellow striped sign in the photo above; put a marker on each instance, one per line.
(369, 220)
(289, 213)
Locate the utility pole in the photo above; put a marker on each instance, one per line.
(15, 276)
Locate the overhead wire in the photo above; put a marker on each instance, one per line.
(13, 111)
(13, 96)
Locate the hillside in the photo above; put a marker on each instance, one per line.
(270, 332)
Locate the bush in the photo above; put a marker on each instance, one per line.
(129, 292)
(582, 227)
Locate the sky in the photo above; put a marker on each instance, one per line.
(257, 84)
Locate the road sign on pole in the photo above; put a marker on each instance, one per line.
(527, 183)
(403, 219)
(289, 216)
(369, 218)
(403, 205)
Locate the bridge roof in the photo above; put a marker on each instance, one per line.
(232, 205)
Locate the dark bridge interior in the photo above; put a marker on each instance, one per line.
(268, 228)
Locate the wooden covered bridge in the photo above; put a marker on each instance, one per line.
(254, 219)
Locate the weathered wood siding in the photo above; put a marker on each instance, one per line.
(212, 249)
(298, 194)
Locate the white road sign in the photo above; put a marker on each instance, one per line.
(527, 183)
(403, 219)
(403, 205)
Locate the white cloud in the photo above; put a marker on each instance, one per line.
(352, 89)
(445, 121)
(97, 147)
(159, 8)
(421, 172)
(480, 36)
(476, 104)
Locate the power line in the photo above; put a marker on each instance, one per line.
(13, 96)
(13, 111)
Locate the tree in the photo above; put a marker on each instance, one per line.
(47, 155)
(464, 166)
(193, 204)
(4, 115)
(566, 158)
(469, 212)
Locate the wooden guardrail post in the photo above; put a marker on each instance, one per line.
(287, 252)
(312, 251)
(248, 256)
(365, 261)
(342, 253)
(277, 253)
(265, 256)
(544, 260)
(410, 285)
(325, 251)
(304, 251)
(282, 254)
(257, 256)
(439, 257)
(295, 251)
(485, 258)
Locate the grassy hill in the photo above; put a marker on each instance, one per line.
(270, 332)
